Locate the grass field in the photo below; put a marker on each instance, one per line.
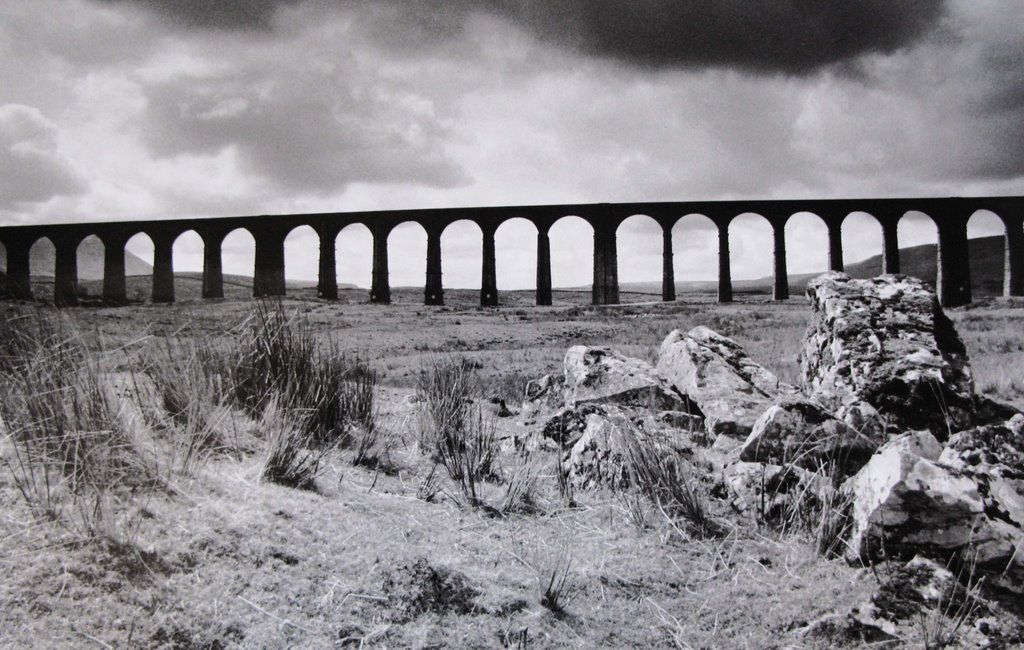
(169, 533)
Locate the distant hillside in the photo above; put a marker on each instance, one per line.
(986, 255)
(90, 261)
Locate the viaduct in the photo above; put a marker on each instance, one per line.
(950, 216)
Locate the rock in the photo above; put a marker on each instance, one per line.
(503, 411)
(993, 457)
(966, 500)
(773, 493)
(800, 432)
(600, 374)
(904, 502)
(689, 422)
(567, 425)
(887, 342)
(547, 389)
(597, 457)
(921, 597)
(728, 387)
(864, 418)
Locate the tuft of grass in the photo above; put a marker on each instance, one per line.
(555, 580)
(468, 453)
(566, 489)
(277, 358)
(193, 399)
(456, 431)
(661, 475)
(290, 458)
(520, 485)
(957, 607)
(71, 458)
(430, 486)
(446, 388)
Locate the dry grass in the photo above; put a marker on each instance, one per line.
(223, 559)
(71, 457)
(670, 484)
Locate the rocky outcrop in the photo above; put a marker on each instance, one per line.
(801, 432)
(913, 496)
(905, 502)
(886, 341)
(729, 388)
(601, 374)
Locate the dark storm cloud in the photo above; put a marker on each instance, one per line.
(215, 14)
(789, 36)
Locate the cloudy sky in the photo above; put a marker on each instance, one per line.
(118, 109)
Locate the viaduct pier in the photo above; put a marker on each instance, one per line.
(950, 216)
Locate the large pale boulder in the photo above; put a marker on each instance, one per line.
(904, 501)
(601, 374)
(966, 500)
(800, 432)
(887, 342)
(729, 388)
(993, 457)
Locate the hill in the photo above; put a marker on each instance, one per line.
(986, 255)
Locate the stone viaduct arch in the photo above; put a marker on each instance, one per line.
(950, 216)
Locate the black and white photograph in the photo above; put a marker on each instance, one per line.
(688, 324)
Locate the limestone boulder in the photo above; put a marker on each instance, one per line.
(599, 456)
(913, 496)
(904, 501)
(887, 342)
(993, 457)
(567, 424)
(773, 493)
(728, 387)
(603, 375)
(800, 432)
(546, 390)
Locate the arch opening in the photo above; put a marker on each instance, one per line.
(806, 248)
(695, 255)
(238, 261)
(572, 259)
(918, 237)
(640, 250)
(862, 245)
(407, 262)
(89, 254)
(515, 251)
(354, 261)
(42, 262)
(139, 253)
(986, 245)
(750, 254)
(302, 260)
(187, 258)
(462, 257)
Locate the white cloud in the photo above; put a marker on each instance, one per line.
(32, 167)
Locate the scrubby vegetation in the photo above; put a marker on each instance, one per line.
(150, 460)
